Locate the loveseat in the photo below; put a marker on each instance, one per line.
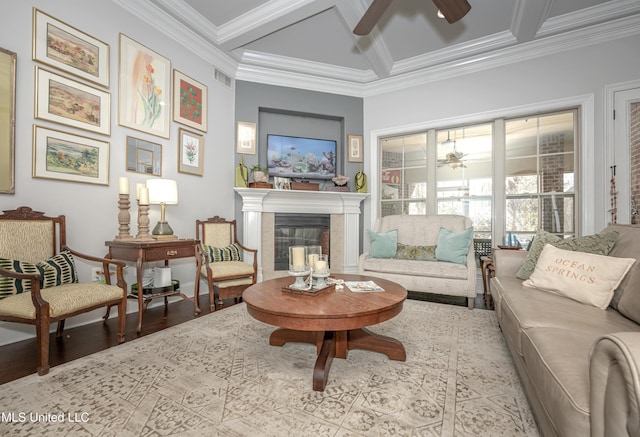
(578, 363)
(421, 232)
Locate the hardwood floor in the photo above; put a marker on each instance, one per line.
(19, 359)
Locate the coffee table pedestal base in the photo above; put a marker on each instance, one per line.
(337, 344)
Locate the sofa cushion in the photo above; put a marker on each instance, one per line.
(418, 253)
(599, 244)
(416, 268)
(522, 308)
(585, 277)
(627, 246)
(557, 361)
(454, 246)
(383, 244)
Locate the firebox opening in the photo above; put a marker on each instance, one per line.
(299, 230)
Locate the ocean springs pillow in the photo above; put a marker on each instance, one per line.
(416, 253)
(453, 246)
(599, 244)
(383, 244)
(585, 277)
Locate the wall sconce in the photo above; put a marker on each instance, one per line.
(163, 192)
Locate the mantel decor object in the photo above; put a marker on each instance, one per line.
(361, 181)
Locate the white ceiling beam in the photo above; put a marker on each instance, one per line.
(528, 17)
(265, 19)
(371, 46)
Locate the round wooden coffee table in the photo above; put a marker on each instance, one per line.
(334, 321)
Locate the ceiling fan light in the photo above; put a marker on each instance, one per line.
(440, 14)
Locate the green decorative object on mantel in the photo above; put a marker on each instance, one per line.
(361, 181)
(242, 175)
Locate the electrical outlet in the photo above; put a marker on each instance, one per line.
(97, 275)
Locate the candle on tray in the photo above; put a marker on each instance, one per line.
(320, 266)
(297, 258)
(312, 258)
(124, 185)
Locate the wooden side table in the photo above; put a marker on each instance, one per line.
(488, 271)
(149, 251)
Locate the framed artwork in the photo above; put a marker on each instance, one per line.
(144, 86)
(7, 121)
(190, 152)
(68, 157)
(355, 148)
(246, 138)
(144, 157)
(66, 48)
(189, 102)
(71, 103)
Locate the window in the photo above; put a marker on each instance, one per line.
(403, 175)
(540, 175)
(454, 170)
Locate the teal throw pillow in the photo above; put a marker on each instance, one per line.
(383, 244)
(452, 246)
(598, 244)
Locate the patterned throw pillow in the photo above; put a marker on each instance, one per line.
(599, 244)
(57, 270)
(218, 254)
(10, 286)
(417, 253)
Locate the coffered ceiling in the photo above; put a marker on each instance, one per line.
(310, 44)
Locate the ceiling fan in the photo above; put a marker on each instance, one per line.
(453, 10)
(453, 159)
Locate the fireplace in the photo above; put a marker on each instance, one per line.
(260, 205)
(291, 229)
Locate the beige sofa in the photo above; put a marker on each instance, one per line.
(577, 363)
(424, 276)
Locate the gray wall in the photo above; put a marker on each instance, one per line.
(296, 112)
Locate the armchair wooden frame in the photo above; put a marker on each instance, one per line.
(43, 317)
(218, 291)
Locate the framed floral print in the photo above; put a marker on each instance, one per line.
(355, 148)
(67, 157)
(144, 157)
(144, 89)
(66, 48)
(190, 152)
(189, 101)
(71, 103)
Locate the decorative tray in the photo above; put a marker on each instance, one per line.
(312, 292)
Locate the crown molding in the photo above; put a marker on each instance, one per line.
(181, 9)
(151, 14)
(290, 79)
(587, 17)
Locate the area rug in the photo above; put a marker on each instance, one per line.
(217, 376)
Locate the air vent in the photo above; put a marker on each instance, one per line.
(222, 78)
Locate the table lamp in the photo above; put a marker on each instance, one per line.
(163, 192)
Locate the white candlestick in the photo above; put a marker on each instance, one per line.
(298, 258)
(138, 187)
(124, 185)
(144, 196)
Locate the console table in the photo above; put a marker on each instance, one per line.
(149, 251)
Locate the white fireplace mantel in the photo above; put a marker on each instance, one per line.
(255, 201)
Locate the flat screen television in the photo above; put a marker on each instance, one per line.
(301, 158)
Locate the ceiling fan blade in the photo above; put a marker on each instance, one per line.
(453, 10)
(371, 17)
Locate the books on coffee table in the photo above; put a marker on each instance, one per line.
(363, 286)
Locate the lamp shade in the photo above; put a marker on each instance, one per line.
(163, 191)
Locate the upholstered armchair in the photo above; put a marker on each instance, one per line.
(224, 268)
(39, 281)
